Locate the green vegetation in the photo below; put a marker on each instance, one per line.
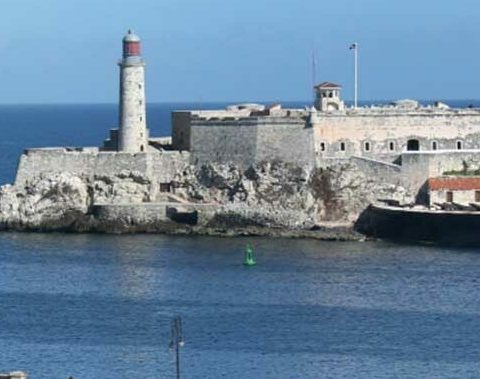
(465, 171)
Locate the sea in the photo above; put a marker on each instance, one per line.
(101, 306)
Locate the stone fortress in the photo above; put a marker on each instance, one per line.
(248, 164)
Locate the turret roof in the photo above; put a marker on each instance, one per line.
(328, 85)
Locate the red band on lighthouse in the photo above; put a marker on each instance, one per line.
(131, 48)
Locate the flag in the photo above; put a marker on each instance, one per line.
(353, 46)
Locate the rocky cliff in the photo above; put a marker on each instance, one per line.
(266, 198)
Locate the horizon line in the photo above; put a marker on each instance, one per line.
(306, 102)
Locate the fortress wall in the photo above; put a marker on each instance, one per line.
(285, 140)
(382, 171)
(159, 167)
(40, 162)
(167, 164)
(111, 163)
(224, 142)
(430, 164)
(181, 130)
(381, 129)
(417, 167)
(247, 141)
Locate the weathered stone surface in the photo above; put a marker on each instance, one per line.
(52, 202)
(125, 187)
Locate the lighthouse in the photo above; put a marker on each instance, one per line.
(133, 132)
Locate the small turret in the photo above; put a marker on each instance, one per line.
(328, 97)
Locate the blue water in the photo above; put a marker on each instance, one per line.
(99, 306)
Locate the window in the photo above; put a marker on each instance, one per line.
(459, 145)
(413, 145)
(391, 146)
(434, 145)
(142, 148)
(366, 146)
(139, 86)
(322, 146)
(342, 146)
(449, 196)
(141, 118)
(477, 196)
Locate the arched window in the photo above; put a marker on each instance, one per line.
(434, 145)
(391, 146)
(342, 146)
(366, 146)
(322, 146)
(413, 145)
(459, 145)
(141, 148)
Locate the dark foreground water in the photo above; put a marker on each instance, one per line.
(96, 306)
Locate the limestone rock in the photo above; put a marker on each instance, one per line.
(126, 187)
(52, 202)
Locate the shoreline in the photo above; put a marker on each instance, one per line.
(324, 233)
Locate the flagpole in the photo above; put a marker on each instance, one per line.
(314, 71)
(356, 73)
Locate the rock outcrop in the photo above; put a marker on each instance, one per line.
(273, 198)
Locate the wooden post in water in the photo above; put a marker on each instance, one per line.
(176, 341)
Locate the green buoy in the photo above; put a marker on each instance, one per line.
(249, 258)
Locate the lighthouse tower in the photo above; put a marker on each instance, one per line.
(133, 132)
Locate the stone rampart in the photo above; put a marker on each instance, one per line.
(382, 134)
(382, 171)
(42, 162)
(226, 141)
(159, 167)
(245, 141)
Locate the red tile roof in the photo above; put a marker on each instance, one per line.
(454, 183)
(328, 85)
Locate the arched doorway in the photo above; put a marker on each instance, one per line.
(413, 145)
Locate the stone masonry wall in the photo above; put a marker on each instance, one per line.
(223, 142)
(250, 140)
(383, 131)
(91, 165)
(291, 141)
(418, 166)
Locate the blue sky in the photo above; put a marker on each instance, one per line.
(239, 50)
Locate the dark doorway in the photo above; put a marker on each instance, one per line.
(449, 197)
(413, 145)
